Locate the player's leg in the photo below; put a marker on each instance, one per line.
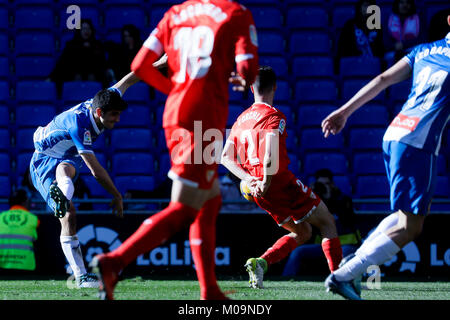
(331, 245)
(62, 192)
(202, 237)
(256, 267)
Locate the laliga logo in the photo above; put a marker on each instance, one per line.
(412, 256)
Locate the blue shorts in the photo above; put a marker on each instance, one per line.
(412, 177)
(43, 173)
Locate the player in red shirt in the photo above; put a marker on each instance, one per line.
(256, 153)
(204, 41)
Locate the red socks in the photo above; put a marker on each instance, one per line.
(202, 237)
(279, 250)
(154, 231)
(333, 252)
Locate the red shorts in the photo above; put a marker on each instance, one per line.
(288, 198)
(193, 161)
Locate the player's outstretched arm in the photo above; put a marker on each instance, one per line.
(336, 120)
(102, 176)
(126, 82)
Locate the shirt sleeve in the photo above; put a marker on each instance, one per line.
(277, 122)
(411, 56)
(155, 40)
(81, 136)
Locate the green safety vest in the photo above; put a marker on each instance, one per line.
(17, 234)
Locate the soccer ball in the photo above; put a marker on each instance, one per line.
(245, 191)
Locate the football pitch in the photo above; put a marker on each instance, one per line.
(154, 289)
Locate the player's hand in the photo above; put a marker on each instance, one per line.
(333, 123)
(261, 188)
(117, 205)
(239, 83)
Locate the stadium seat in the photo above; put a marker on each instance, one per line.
(314, 161)
(35, 91)
(4, 45)
(34, 67)
(290, 116)
(156, 14)
(312, 67)
(372, 186)
(5, 139)
(351, 86)
(117, 17)
(236, 97)
(267, 17)
(283, 92)
(364, 139)
(312, 115)
(23, 162)
(278, 64)
(128, 139)
(4, 116)
(79, 91)
(34, 43)
(294, 164)
(34, 116)
(34, 18)
(304, 17)
(127, 183)
(270, 42)
(341, 15)
(316, 90)
(135, 116)
(343, 183)
(24, 139)
(359, 67)
(5, 187)
(4, 19)
(164, 164)
(399, 92)
(309, 43)
(368, 163)
(370, 115)
(97, 191)
(442, 187)
(313, 139)
(4, 67)
(138, 93)
(233, 113)
(133, 163)
(291, 140)
(4, 91)
(5, 163)
(88, 11)
(441, 165)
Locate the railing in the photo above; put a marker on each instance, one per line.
(256, 210)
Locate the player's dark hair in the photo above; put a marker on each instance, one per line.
(18, 197)
(265, 80)
(109, 100)
(324, 173)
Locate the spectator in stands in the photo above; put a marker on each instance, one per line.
(356, 39)
(403, 30)
(82, 59)
(438, 26)
(341, 206)
(121, 55)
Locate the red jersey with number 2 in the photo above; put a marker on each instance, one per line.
(203, 40)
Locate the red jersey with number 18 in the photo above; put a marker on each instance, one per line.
(203, 40)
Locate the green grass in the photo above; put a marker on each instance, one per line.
(145, 289)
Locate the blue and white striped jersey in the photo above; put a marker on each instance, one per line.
(424, 115)
(69, 134)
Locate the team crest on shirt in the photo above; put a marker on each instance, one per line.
(87, 138)
(282, 126)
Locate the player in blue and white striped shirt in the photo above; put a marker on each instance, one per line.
(410, 148)
(61, 147)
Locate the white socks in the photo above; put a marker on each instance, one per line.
(72, 251)
(387, 223)
(376, 252)
(66, 186)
